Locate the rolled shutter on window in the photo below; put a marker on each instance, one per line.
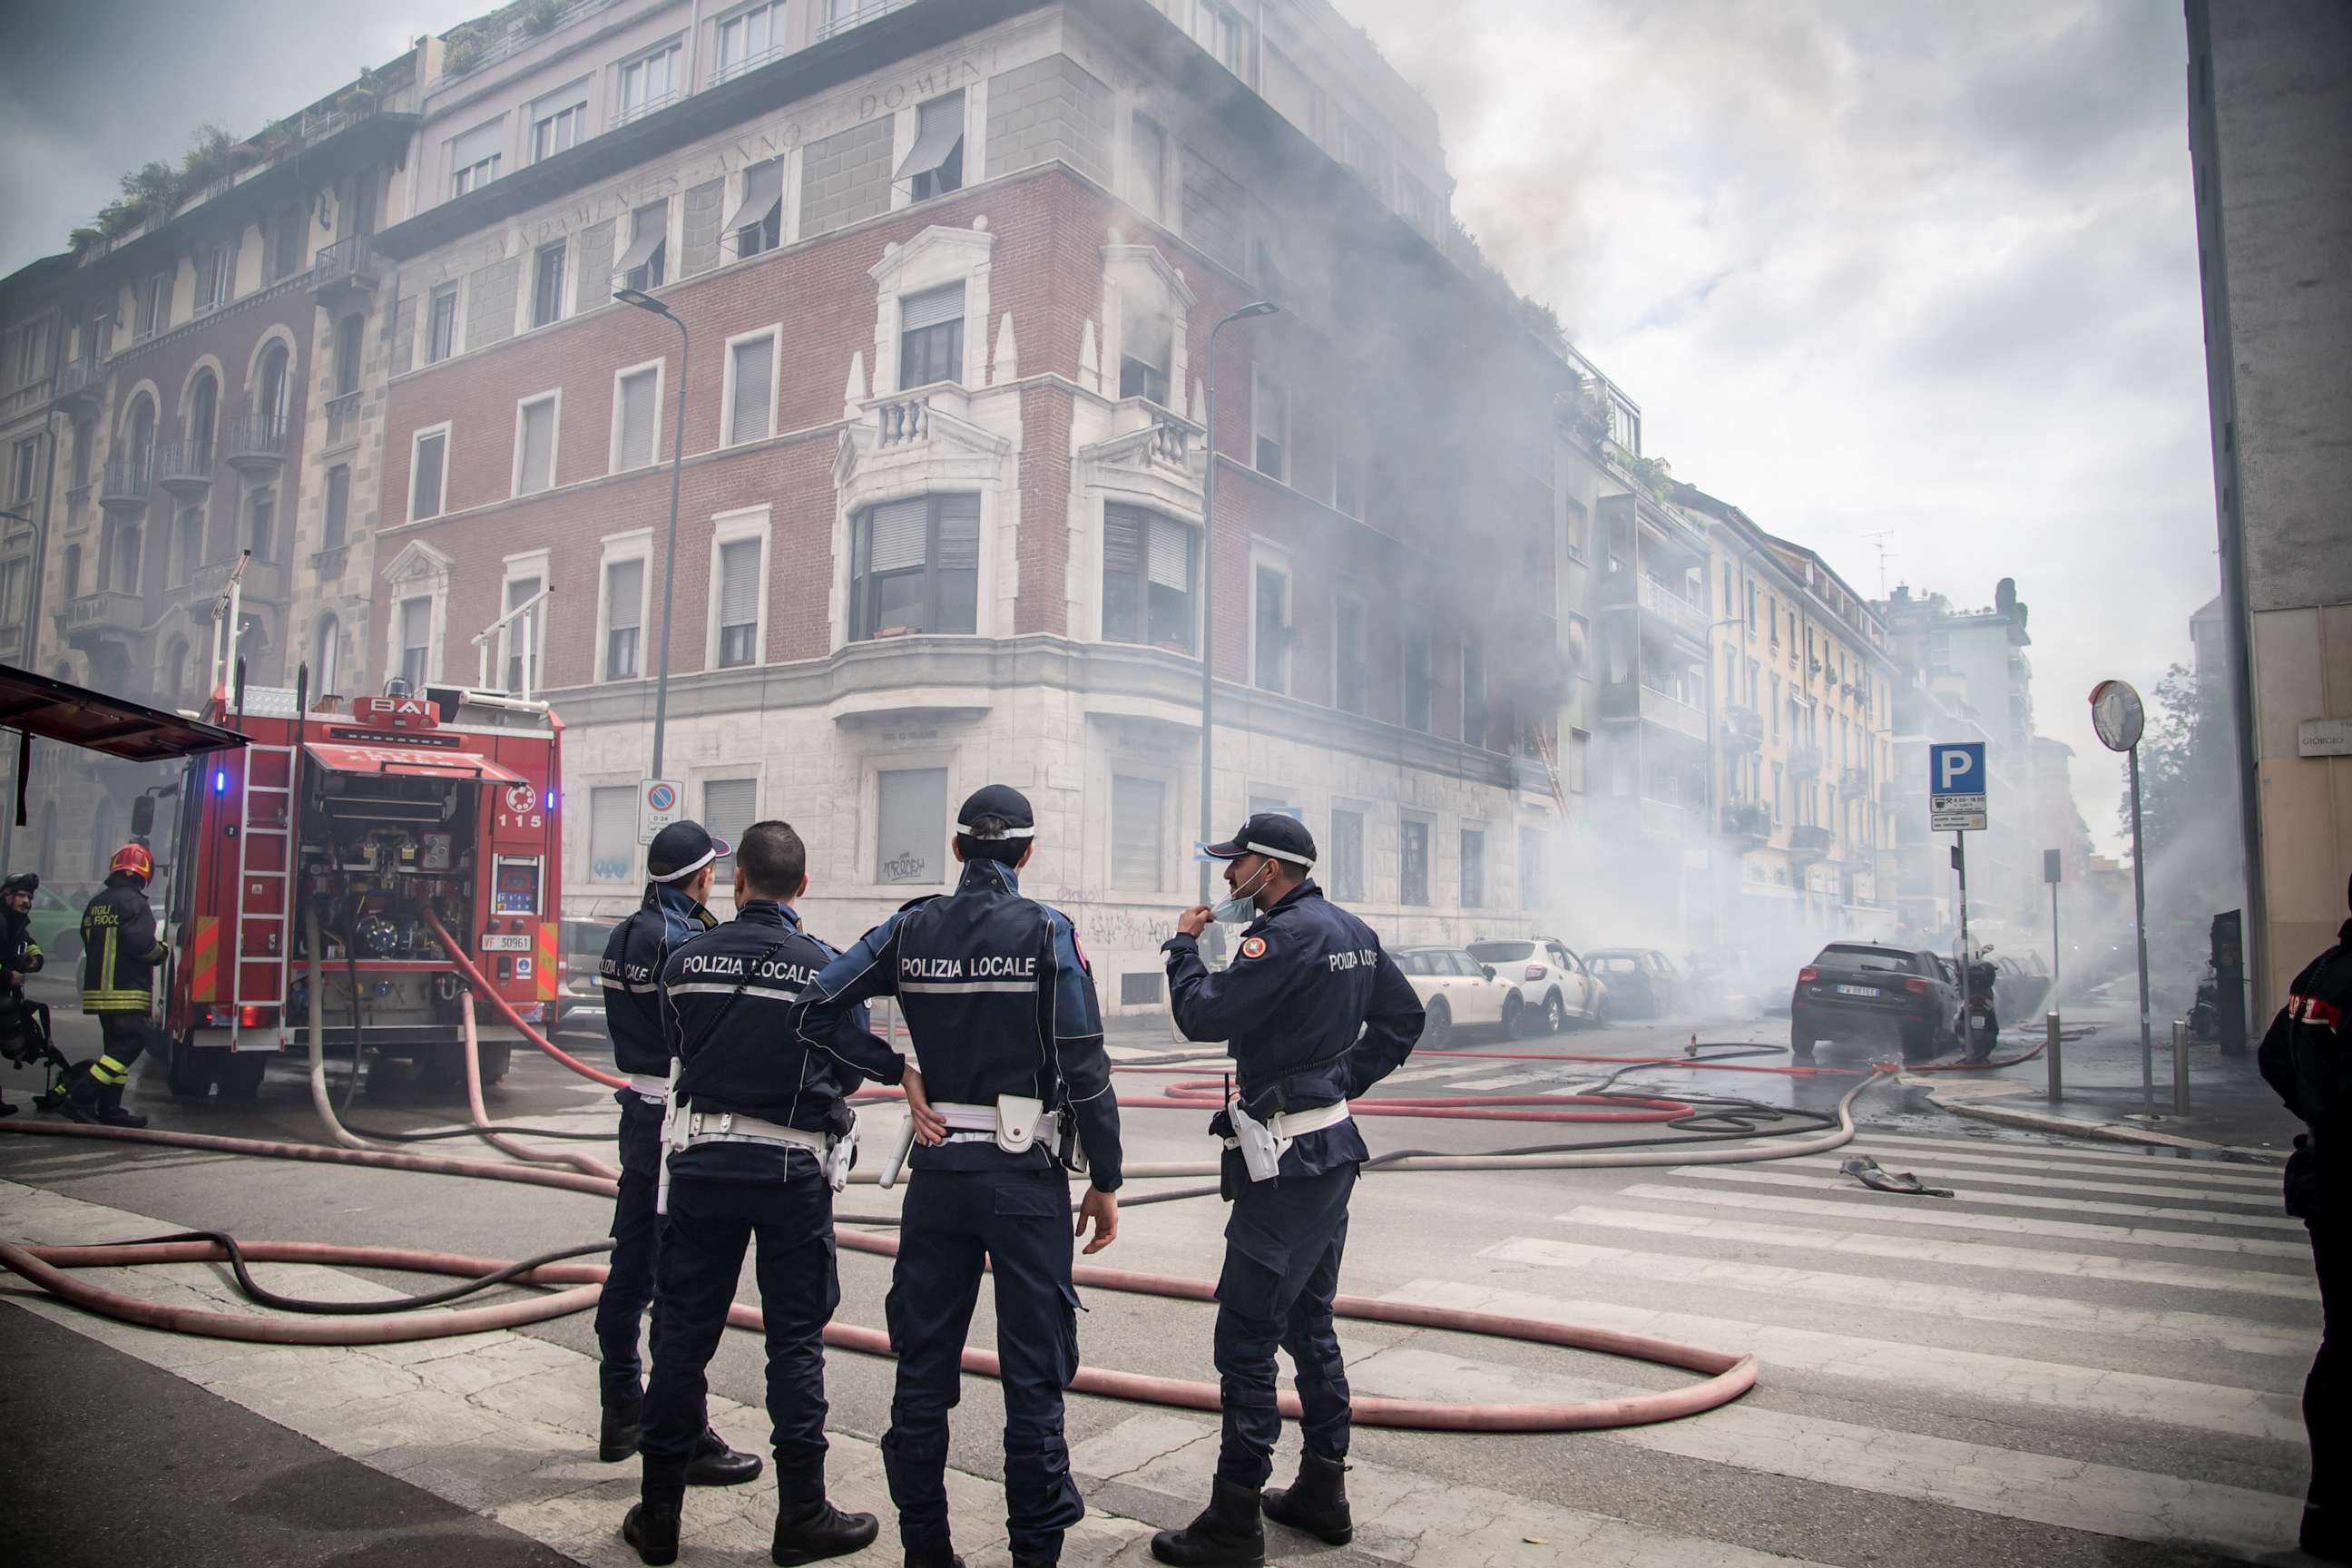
(624, 593)
(729, 806)
(738, 576)
(959, 533)
(1137, 828)
(1122, 541)
(638, 418)
(1170, 561)
(931, 308)
(754, 378)
(899, 528)
(480, 143)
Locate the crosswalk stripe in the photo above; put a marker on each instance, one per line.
(1400, 1517)
(2002, 1200)
(2142, 1168)
(1963, 1254)
(2062, 1313)
(2070, 1493)
(1951, 1219)
(2266, 1197)
(2209, 1407)
(2116, 1156)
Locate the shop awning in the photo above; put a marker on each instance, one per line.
(407, 763)
(34, 705)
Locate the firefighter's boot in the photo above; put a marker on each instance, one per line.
(1228, 1533)
(80, 1098)
(111, 1112)
(1317, 1502)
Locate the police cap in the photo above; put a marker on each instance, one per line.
(1002, 802)
(1267, 832)
(681, 849)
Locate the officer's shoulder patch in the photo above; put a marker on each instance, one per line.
(1080, 948)
(1253, 947)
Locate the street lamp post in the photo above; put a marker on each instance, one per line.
(1208, 577)
(644, 301)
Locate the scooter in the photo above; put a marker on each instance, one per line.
(1980, 1023)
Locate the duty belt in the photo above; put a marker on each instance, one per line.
(648, 1087)
(734, 1127)
(1289, 1124)
(977, 1123)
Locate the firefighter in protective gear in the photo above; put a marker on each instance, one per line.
(1008, 1092)
(678, 871)
(121, 947)
(760, 1131)
(2308, 1057)
(23, 1025)
(1314, 1013)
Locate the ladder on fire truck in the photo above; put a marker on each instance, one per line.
(256, 821)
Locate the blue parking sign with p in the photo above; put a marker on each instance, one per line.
(1957, 769)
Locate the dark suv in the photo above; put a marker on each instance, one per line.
(1869, 994)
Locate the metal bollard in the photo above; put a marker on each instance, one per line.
(2051, 1036)
(2180, 1067)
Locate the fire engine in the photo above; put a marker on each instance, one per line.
(348, 822)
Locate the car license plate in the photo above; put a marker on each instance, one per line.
(506, 941)
(1857, 990)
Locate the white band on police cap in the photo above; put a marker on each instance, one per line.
(967, 831)
(1290, 855)
(683, 872)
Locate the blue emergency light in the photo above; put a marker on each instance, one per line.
(220, 781)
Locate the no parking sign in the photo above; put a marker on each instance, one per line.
(660, 802)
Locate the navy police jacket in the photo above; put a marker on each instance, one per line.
(631, 974)
(727, 998)
(2308, 1057)
(998, 1000)
(1312, 1011)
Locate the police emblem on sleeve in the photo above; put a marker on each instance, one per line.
(1253, 947)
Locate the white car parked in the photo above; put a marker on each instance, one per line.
(1457, 991)
(1554, 986)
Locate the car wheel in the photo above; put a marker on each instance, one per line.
(1921, 1042)
(241, 1075)
(1598, 1018)
(1514, 1015)
(496, 1057)
(1555, 1014)
(1800, 1046)
(1438, 1024)
(182, 1074)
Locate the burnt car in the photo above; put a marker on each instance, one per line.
(1642, 982)
(1865, 992)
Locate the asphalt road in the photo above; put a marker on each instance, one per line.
(2080, 1358)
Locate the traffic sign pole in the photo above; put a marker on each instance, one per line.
(1960, 864)
(2139, 929)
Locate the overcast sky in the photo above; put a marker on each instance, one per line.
(1925, 270)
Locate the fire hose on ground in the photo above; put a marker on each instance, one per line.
(1727, 1374)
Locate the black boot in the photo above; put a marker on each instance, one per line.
(717, 1464)
(652, 1529)
(1227, 1534)
(1317, 1502)
(928, 1550)
(820, 1532)
(2325, 1535)
(79, 1100)
(616, 1439)
(110, 1108)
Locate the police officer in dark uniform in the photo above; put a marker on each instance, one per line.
(2308, 1057)
(1010, 1088)
(1313, 1012)
(758, 1139)
(678, 871)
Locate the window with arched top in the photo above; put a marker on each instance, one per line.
(139, 433)
(273, 387)
(204, 418)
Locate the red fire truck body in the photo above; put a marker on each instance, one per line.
(351, 820)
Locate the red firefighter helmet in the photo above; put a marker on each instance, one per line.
(134, 858)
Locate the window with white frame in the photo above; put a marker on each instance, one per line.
(1416, 679)
(155, 305)
(646, 264)
(736, 602)
(1217, 29)
(1138, 850)
(416, 641)
(441, 325)
(473, 157)
(1269, 424)
(1147, 167)
(757, 224)
(729, 806)
(751, 389)
(1348, 666)
(547, 284)
(428, 464)
(1147, 347)
(915, 567)
(1270, 628)
(1148, 576)
(912, 827)
(1344, 863)
(750, 38)
(215, 277)
(25, 471)
(651, 81)
(637, 416)
(624, 615)
(612, 833)
(559, 121)
(519, 638)
(930, 336)
(934, 165)
(534, 448)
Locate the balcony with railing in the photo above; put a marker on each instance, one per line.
(345, 271)
(472, 55)
(1812, 841)
(842, 15)
(1739, 729)
(125, 481)
(1672, 713)
(108, 614)
(80, 383)
(259, 441)
(1748, 822)
(23, 400)
(1804, 761)
(1669, 609)
(185, 468)
(264, 580)
(1853, 785)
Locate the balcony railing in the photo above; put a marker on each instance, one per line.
(1809, 840)
(125, 481)
(1853, 785)
(24, 399)
(343, 419)
(1659, 600)
(514, 40)
(107, 610)
(843, 15)
(1748, 820)
(80, 378)
(1804, 761)
(185, 465)
(1673, 713)
(644, 107)
(348, 264)
(903, 420)
(259, 439)
(1740, 729)
(263, 580)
